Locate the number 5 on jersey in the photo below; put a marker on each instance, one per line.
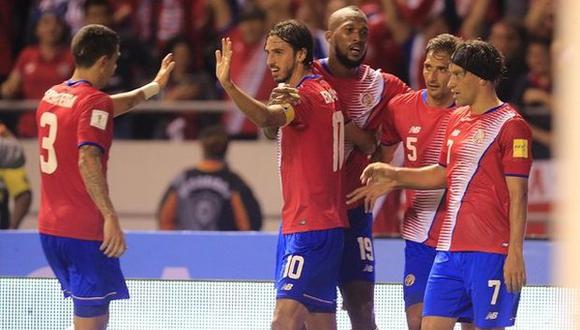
(49, 164)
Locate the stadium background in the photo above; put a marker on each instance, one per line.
(159, 141)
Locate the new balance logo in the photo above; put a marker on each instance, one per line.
(369, 269)
(491, 315)
(414, 129)
(288, 287)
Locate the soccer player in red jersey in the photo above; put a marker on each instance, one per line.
(79, 229)
(311, 142)
(419, 119)
(363, 93)
(479, 268)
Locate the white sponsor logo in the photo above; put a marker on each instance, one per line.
(369, 269)
(99, 119)
(287, 287)
(414, 129)
(491, 315)
(455, 132)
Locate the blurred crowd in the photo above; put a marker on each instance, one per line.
(35, 36)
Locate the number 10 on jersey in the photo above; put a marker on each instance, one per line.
(338, 140)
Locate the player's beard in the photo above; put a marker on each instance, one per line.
(289, 73)
(347, 62)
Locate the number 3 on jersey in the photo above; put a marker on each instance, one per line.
(49, 164)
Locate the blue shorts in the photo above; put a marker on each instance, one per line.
(358, 261)
(418, 261)
(307, 268)
(85, 273)
(470, 285)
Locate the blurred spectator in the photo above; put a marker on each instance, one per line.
(508, 37)
(210, 196)
(249, 69)
(14, 185)
(11, 152)
(186, 83)
(310, 12)
(13, 182)
(275, 10)
(38, 68)
(135, 66)
(540, 19)
(534, 96)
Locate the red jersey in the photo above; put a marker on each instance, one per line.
(422, 129)
(481, 150)
(311, 161)
(38, 74)
(71, 115)
(364, 99)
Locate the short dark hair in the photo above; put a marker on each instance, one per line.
(214, 142)
(480, 58)
(444, 42)
(91, 42)
(297, 35)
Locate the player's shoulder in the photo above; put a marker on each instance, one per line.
(313, 84)
(516, 122)
(405, 98)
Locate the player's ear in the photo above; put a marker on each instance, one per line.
(301, 55)
(102, 61)
(327, 35)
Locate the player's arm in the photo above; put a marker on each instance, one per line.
(364, 141)
(380, 179)
(124, 102)
(274, 115)
(166, 214)
(514, 268)
(91, 170)
(11, 86)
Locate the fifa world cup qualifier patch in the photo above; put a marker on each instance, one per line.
(99, 119)
(520, 148)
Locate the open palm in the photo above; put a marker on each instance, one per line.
(223, 61)
(164, 72)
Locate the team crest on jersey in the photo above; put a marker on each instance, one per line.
(479, 136)
(409, 280)
(366, 100)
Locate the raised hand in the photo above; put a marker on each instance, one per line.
(223, 62)
(164, 72)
